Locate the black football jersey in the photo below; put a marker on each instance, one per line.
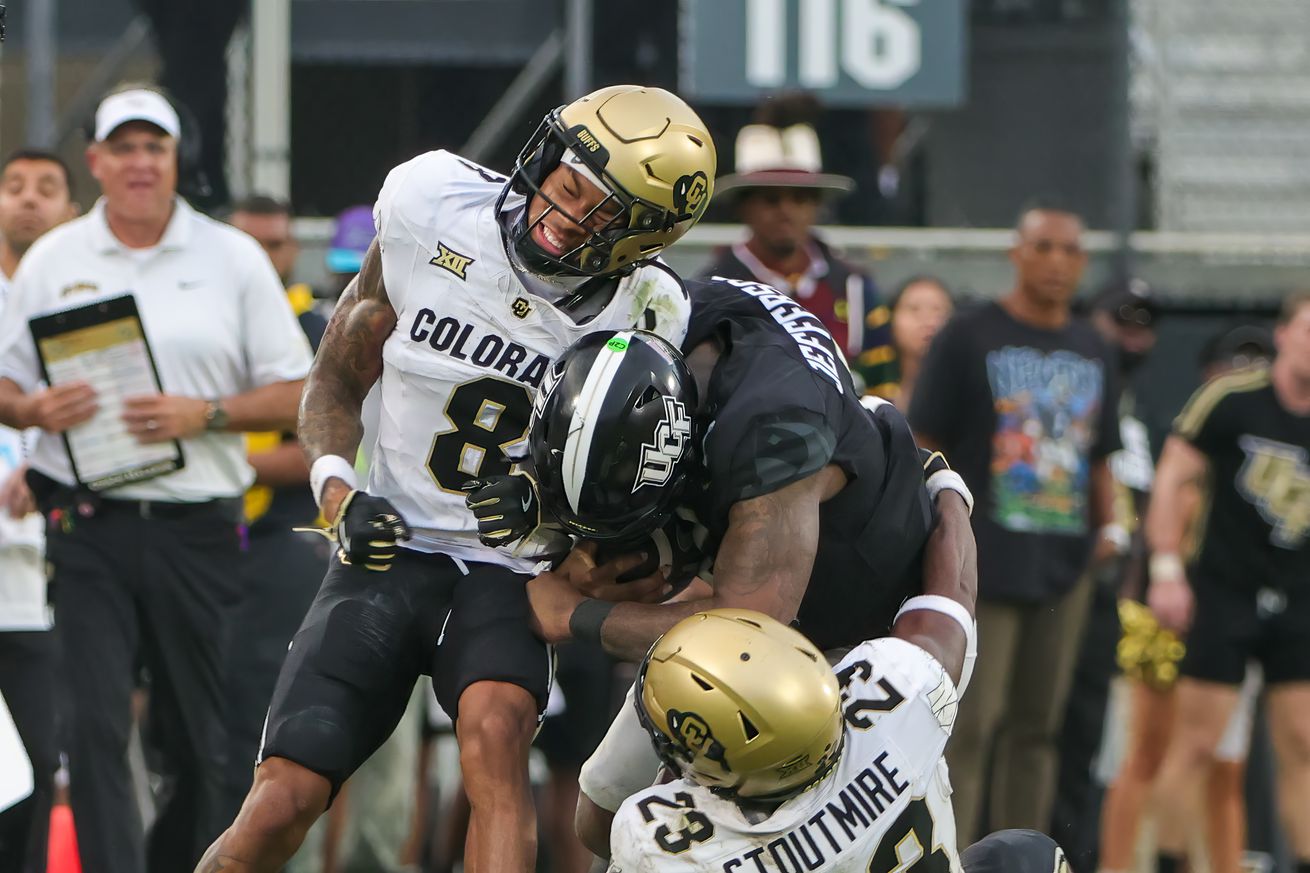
(1257, 531)
(781, 406)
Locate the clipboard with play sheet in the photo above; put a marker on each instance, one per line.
(104, 344)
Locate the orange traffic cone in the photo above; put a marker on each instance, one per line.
(63, 857)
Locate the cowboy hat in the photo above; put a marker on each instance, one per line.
(773, 157)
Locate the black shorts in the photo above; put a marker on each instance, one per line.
(586, 678)
(368, 636)
(1233, 624)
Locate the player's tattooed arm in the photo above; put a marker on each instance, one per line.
(764, 563)
(349, 361)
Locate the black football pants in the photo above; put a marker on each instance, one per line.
(280, 574)
(151, 586)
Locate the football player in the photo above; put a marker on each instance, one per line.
(476, 282)
(812, 507)
(783, 763)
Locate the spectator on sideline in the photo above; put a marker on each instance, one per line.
(268, 220)
(1149, 655)
(1127, 317)
(351, 234)
(920, 308)
(35, 195)
(1022, 398)
(1248, 434)
(777, 190)
(281, 569)
(146, 572)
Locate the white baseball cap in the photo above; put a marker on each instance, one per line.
(137, 105)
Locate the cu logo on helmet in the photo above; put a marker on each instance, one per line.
(693, 732)
(666, 448)
(689, 194)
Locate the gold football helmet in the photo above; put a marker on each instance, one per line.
(741, 704)
(654, 158)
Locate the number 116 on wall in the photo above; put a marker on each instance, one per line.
(875, 42)
(849, 52)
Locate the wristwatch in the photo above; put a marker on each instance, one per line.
(216, 417)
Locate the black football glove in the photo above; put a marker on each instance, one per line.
(939, 477)
(367, 529)
(507, 508)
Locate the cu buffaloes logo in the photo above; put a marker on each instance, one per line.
(692, 732)
(520, 307)
(449, 259)
(690, 194)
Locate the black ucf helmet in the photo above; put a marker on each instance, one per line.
(612, 435)
(650, 154)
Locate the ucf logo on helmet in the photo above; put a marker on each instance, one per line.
(667, 445)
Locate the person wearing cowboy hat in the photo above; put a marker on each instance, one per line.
(777, 192)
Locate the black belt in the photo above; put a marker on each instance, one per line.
(53, 495)
(162, 509)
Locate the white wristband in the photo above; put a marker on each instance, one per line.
(949, 480)
(938, 603)
(1166, 565)
(956, 610)
(330, 467)
(1118, 536)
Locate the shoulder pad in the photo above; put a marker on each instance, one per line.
(414, 193)
(659, 302)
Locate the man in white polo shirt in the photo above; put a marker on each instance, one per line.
(144, 573)
(35, 196)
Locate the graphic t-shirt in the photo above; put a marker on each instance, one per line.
(1022, 413)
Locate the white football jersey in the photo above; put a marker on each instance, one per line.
(885, 806)
(471, 346)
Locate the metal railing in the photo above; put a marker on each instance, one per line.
(1195, 269)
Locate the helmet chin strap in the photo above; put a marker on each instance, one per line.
(547, 285)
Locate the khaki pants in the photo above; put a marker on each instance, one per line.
(1012, 712)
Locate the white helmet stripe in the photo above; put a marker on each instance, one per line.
(582, 428)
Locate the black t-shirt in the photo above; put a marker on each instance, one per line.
(1257, 531)
(1021, 413)
(780, 407)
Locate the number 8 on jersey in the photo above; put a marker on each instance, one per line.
(487, 415)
